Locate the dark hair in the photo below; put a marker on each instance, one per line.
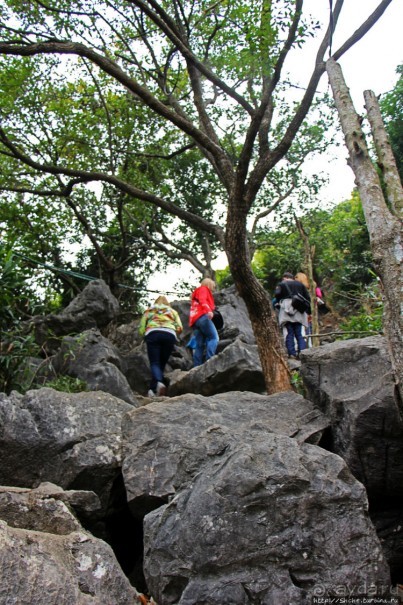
(289, 275)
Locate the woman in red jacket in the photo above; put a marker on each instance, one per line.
(200, 319)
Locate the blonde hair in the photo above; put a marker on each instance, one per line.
(301, 277)
(211, 285)
(161, 300)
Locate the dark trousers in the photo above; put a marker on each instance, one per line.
(294, 332)
(160, 345)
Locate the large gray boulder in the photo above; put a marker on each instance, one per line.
(94, 307)
(73, 568)
(236, 368)
(352, 383)
(166, 444)
(47, 557)
(70, 439)
(92, 358)
(269, 521)
(47, 508)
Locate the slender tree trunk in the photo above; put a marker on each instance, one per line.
(386, 159)
(264, 322)
(385, 229)
(309, 253)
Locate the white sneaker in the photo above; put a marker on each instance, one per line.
(151, 394)
(161, 389)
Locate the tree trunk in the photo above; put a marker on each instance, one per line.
(386, 159)
(264, 322)
(309, 253)
(385, 229)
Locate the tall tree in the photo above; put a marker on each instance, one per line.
(209, 73)
(384, 223)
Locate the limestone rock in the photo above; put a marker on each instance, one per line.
(92, 358)
(269, 521)
(71, 439)
(28, 509)
(72, 569)
(166, 444)
(237, 368)
(352, 383)
(94, 307)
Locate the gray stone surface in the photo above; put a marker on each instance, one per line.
(352, 383)
(94, 307)
(92, 358)
(39, 568)
(166, 444)
(71, 439)
(237, 368)
(26, 508)
(268, 521)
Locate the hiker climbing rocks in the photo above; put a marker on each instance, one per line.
(160, 324)
(200, 318)
(292, 315)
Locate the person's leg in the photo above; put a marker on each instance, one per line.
(154, 357)
(300, 339)
(199, 348)
(289, 341)
(208, 335)
(167, 343)
(212, 339)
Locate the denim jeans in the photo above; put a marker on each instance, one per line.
(160, 345)
(294, 331)
(206, 338)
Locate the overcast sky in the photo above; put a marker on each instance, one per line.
(369, 65)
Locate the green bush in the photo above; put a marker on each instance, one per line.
(67, 384)
(369, 315)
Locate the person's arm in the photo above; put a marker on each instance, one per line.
(205, 299)
(143, 323)
(178, 323)
(278, 292)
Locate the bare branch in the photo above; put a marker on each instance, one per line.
(163, 21)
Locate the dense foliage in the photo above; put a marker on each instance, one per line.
(342, 259)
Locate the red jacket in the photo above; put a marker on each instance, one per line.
(202, 303)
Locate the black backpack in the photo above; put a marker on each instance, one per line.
(300, 303)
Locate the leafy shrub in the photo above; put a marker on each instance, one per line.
(67, 384)
(369, 316)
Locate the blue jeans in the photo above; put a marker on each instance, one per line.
(160, 345)
(294, 331)
(206, 337)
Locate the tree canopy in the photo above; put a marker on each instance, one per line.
(104, 101)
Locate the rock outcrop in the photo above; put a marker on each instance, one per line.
(94, 307)
(70, 439)
(244, 498)
(270, 522)
(236, 368)
(47, 557)
(352, 383)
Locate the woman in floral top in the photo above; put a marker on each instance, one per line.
(160, 325)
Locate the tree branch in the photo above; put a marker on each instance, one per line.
(165, 24)
(111, 68)
(86, 177)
